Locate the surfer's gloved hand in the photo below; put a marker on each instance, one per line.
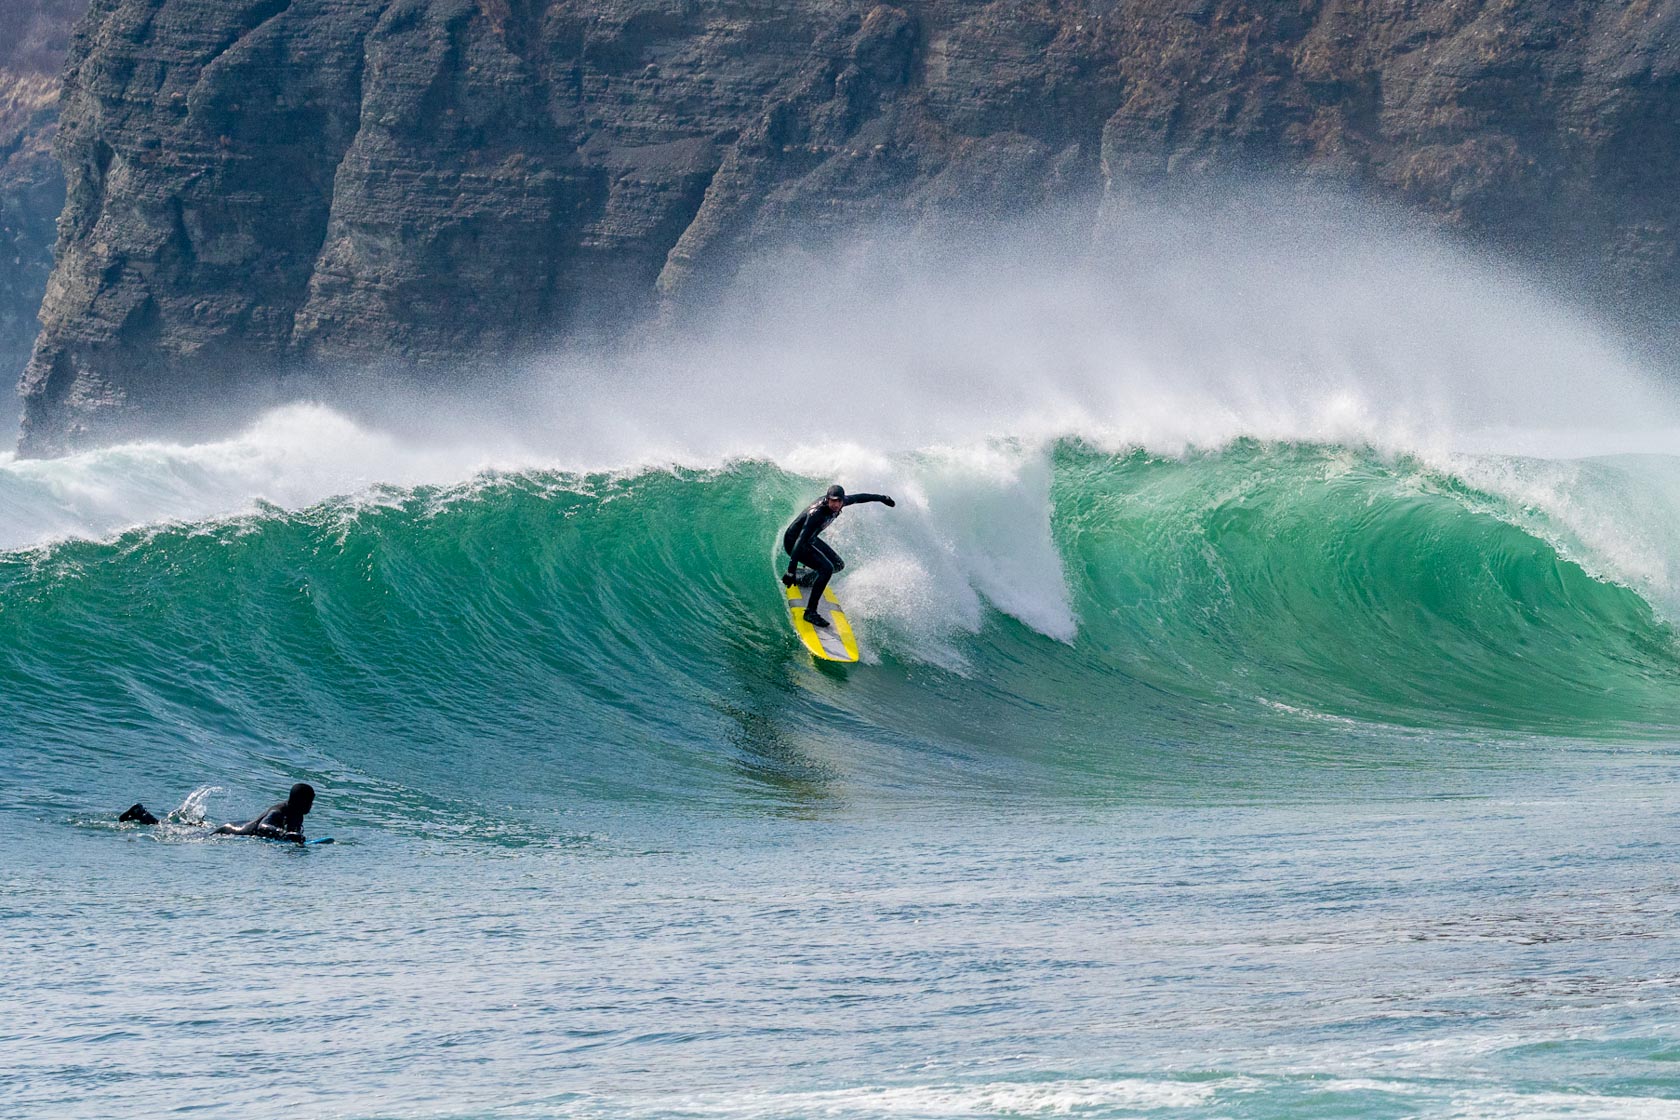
(787, 579)
(889, 502)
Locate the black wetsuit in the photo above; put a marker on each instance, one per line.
(281, 821)
(277, 822)
(138, 813)
(802, 545)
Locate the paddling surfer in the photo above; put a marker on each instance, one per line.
(282, 821)
(801, 542)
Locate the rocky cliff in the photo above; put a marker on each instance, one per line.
(258, 185)
(33, 38)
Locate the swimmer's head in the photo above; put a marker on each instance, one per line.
(301, 797)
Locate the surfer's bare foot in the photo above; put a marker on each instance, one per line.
(816, 620)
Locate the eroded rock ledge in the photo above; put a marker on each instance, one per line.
(257, 185)
(33, 37)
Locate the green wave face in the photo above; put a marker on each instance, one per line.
(1351, 586)
(541, 640)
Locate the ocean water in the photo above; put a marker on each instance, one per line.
(1268, 710)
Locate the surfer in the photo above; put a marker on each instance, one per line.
(282, 821)
(800, 541)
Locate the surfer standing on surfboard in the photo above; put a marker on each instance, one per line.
(800, 542)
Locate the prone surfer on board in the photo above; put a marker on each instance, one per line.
(800, 541)
(283, 821)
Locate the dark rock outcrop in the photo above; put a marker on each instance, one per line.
(259, 185)
(33, 37)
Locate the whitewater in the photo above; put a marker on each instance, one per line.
(1268, 707)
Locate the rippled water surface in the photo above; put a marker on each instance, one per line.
(1504, 954)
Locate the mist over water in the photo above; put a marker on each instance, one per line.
(1158, 329)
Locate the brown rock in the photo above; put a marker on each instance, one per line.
(33, 37)
(264, 185)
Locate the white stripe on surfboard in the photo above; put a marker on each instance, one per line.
(829, 639)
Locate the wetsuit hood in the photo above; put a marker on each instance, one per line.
(301, 798)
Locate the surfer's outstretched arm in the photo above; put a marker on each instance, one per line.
(856, 499)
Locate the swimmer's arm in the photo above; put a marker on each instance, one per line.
(805, 535)
(257, 828)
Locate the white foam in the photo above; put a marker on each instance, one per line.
(1504, 1105)
(1619, 517)
(1046, 1098)
(290, 457)
(971, 525)
(194, 810)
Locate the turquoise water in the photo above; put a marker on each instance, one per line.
(1287, 779)
(1480, 956)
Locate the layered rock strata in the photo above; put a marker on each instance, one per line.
(33, 37)
(262, 185)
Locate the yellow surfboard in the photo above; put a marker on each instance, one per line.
(837, 643)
